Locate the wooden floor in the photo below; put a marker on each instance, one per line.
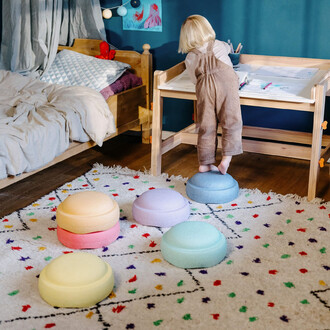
(281, 175)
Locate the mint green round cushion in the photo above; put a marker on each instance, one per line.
(193, 244)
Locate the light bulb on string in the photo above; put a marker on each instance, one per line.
(122, 11)
(107, 13)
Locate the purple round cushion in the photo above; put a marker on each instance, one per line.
(161, 208)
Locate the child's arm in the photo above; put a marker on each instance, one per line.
(221, 50)
(227, 47)
(190, 62)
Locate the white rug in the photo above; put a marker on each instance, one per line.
(276, 274)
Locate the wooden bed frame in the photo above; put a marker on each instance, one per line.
(130, 108)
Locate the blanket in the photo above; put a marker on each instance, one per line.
(38, 120)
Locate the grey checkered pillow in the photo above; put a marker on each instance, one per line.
(74, 69)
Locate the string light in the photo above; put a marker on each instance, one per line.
(121, 10)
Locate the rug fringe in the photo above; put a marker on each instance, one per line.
(126, 170)
(294, 197)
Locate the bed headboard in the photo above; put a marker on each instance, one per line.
(141, 64)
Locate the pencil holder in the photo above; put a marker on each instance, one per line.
(234, 57)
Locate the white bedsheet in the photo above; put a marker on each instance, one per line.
(38, 120)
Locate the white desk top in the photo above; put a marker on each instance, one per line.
(291, 84)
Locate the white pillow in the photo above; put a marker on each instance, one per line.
(74, 69)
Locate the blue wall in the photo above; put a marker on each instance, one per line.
(298, 28)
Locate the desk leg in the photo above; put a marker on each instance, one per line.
(157, 127)
(320, 91)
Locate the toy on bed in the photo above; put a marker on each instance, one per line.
(105, 52)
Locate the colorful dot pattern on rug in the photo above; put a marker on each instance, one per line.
(276, 274)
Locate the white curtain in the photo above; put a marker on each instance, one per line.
(31, 31)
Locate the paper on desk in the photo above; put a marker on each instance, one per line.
(285, 71)
(285, 89)
(291, 84)
(281, 89)
(278, 71)
(183, 83)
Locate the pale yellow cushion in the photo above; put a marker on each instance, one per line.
(87, 212)
(76, 280)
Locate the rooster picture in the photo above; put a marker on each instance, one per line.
(146, 16)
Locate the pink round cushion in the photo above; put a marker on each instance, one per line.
(162, 207)
(88, 241)
(87, 212)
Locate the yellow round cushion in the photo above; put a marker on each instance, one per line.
(76, 279)
(87, 212)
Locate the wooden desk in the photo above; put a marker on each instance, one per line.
(308, 146)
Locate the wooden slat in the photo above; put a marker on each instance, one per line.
(172, 142)
(128, 102)
(182, 95)
(261, 147)
(276, 104)
(147, 73)
(326, 153)
(157, 126)
(74, 149)
(269, 134)
(280, 135)
(317, 139)
(165, 76)
(277, 149)
(285, 61)
(178, 138)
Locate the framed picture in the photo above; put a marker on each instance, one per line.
(143, 15)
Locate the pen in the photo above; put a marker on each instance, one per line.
(267, 85)
(242, 85)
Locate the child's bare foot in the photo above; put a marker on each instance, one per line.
(207, 168)
(223, 166)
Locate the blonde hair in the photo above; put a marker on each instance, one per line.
(195, 31)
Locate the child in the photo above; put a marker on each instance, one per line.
(217, 84)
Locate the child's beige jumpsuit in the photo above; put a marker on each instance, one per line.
(217, 102)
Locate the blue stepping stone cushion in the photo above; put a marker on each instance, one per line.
(212, 188)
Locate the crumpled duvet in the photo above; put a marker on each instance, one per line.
(38, 120)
